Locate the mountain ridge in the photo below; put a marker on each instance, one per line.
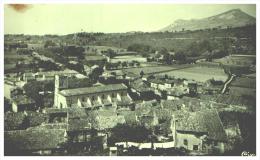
(231, 18)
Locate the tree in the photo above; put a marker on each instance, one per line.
(94, 75)
(126, 132)
(74, 51)
(180, 56)
(110, 53)
(163, 51)
(49, 43)
(142, 73)
(167, 58)
(140, 48)
(33, 88)
(124, 64)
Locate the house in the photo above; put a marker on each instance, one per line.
(170, 104)
(155, 83)
(192, 87)
(113, 151)
(83, 127)
(23, 103)
(34, 141)
(94, 97)
(142, 89)
(49, 75)
(91, 60)
(175, 93)
(28, 77)
(11, 89)
(169, 83)
(200, 131)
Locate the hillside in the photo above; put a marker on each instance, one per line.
(242, 37)
(232, 18)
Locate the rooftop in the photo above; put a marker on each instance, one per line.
(34, 139)
(91, 90)
(207, 121)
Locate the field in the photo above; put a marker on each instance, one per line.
(200, 74)
(149, 70)
(128, 58)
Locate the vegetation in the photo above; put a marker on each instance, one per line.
(126, 132)
(248, 132)
(33, 88)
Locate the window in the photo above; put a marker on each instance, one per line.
(103, 96)
(113, 95)
(83, 99)
(195, 147)
(93, 98)
(122, 93)
(185, 142)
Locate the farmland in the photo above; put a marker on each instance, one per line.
(148, 70)
(128, 58)
(200, 74)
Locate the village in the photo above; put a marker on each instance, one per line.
(131, 94)
(175, 108)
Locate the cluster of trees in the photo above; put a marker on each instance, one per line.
(17, 121)
(24, 51)
(127, 132)
(122, 64)
(49, 43)
(77, 67)
(14, 45)
(79, 83)
(95, 73)
(73, 51)
(140, 48)
(110, 53)
(248, 132)
(33, 88)
(64, 51)
(47, 65)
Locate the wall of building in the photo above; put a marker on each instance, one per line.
(62, 101)
(7, 90)
(191, 139)
(14, 107)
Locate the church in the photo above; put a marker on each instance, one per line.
(90, 97)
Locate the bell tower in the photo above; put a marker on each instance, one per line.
(60, 82)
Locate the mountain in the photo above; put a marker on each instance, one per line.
(231, 18)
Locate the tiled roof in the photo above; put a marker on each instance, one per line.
(175, 92)
(206, 121)
(140, 86)
(169, 104)
(34, 139)
(13, 120)
(79, 124)
(91, 90)
(108, 120)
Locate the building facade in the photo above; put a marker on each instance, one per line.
(90, 97)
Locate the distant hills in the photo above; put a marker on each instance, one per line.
(231, 18)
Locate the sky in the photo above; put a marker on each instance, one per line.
(63, 19)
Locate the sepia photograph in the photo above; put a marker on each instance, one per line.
(119, 79)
